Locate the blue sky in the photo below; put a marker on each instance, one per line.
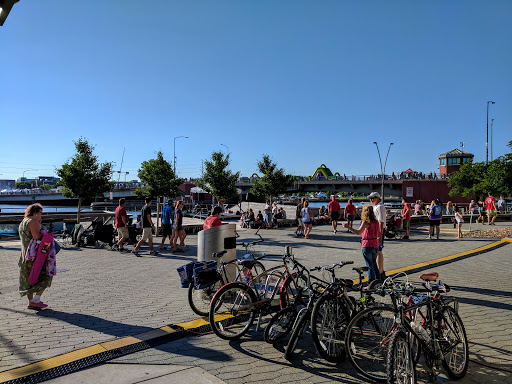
(306, 82)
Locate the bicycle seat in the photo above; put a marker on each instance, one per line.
(361, 270)
(249, 263)
(431, 276)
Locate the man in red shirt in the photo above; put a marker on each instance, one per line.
(490, 206)
(334, 212)
(214, 219)
(121, 220)
(406, 217)
(350, 214)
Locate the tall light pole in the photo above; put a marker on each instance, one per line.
(487, 140)
(227, 148)
(492, 122)
(27, 171)
(382, 170)
(177, 137)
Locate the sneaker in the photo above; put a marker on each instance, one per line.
(405, 237)
(39, 305)
(383, 275)
(179, 250)
(136, 253)
(428, 238)
(122, 250)
(153, 253)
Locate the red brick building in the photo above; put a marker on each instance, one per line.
(451, 161)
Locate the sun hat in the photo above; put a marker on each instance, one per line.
(374, 194)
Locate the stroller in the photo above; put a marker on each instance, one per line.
(393, 227)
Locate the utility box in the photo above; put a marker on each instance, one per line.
(218, 239)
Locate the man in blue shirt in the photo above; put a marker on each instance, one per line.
(166, 224)
(435, 213)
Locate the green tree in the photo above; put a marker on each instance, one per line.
(83, 177)
(159, 180)
(273, 181)
(217, 179)
(476, 179)
(22, 185)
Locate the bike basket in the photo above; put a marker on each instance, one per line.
(185, 272)
(205, 274)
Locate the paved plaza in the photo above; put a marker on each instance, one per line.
(100, 295)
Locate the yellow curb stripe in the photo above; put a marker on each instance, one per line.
(70, 357)
(441, 259)
(51, 362)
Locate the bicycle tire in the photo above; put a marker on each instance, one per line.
(366, 341)
(231, 314)
(297, 334)
(400, 366)
(454, 343)
(288, 293)
(199, 299)
(329, 321)
(280, 325)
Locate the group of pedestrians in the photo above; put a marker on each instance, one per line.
(172, 227)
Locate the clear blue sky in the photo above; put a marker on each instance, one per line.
(306, 82)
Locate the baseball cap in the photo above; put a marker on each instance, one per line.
(374, 194)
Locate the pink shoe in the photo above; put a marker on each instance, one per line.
(39, 305)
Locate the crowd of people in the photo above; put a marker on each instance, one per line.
(371, 229)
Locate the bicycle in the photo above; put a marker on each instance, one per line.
(376, 331)
(199, 298)
(234, 307)
(333, 311)
(282, 322)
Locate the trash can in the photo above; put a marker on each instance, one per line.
(218, 239)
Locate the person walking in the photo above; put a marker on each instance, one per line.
(30, 228)
(334, 212)
(380, 214)
(267, 210)
(350, 213)
(166, 225)
(501, 205)
(490, 206)
(435, 214)
(307, 219)
(459, 220)
(298, 216)
(370, 240)
(179, 230)
(147, 229)
(121, 223)
(406, 218)
(481, 212)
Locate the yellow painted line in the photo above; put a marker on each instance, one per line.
(118, 343)
(202, 321)
(51, 363)
(441, 259)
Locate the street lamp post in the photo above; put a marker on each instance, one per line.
(27, 171)
(487, 139)
(227, 148)
(382, 170)
(177, 137)
(492, 122)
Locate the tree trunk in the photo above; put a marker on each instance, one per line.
(79, 209)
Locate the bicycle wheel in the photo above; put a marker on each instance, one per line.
(289, 290)
(232, 311)
(453, 343)
(280, 325)
(297, 333)
(400, 365)
(367, 339)
(329, 321)
(199, 299)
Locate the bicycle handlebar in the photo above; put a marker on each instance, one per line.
(331, 268)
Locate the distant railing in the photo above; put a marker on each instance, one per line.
(392, 176)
